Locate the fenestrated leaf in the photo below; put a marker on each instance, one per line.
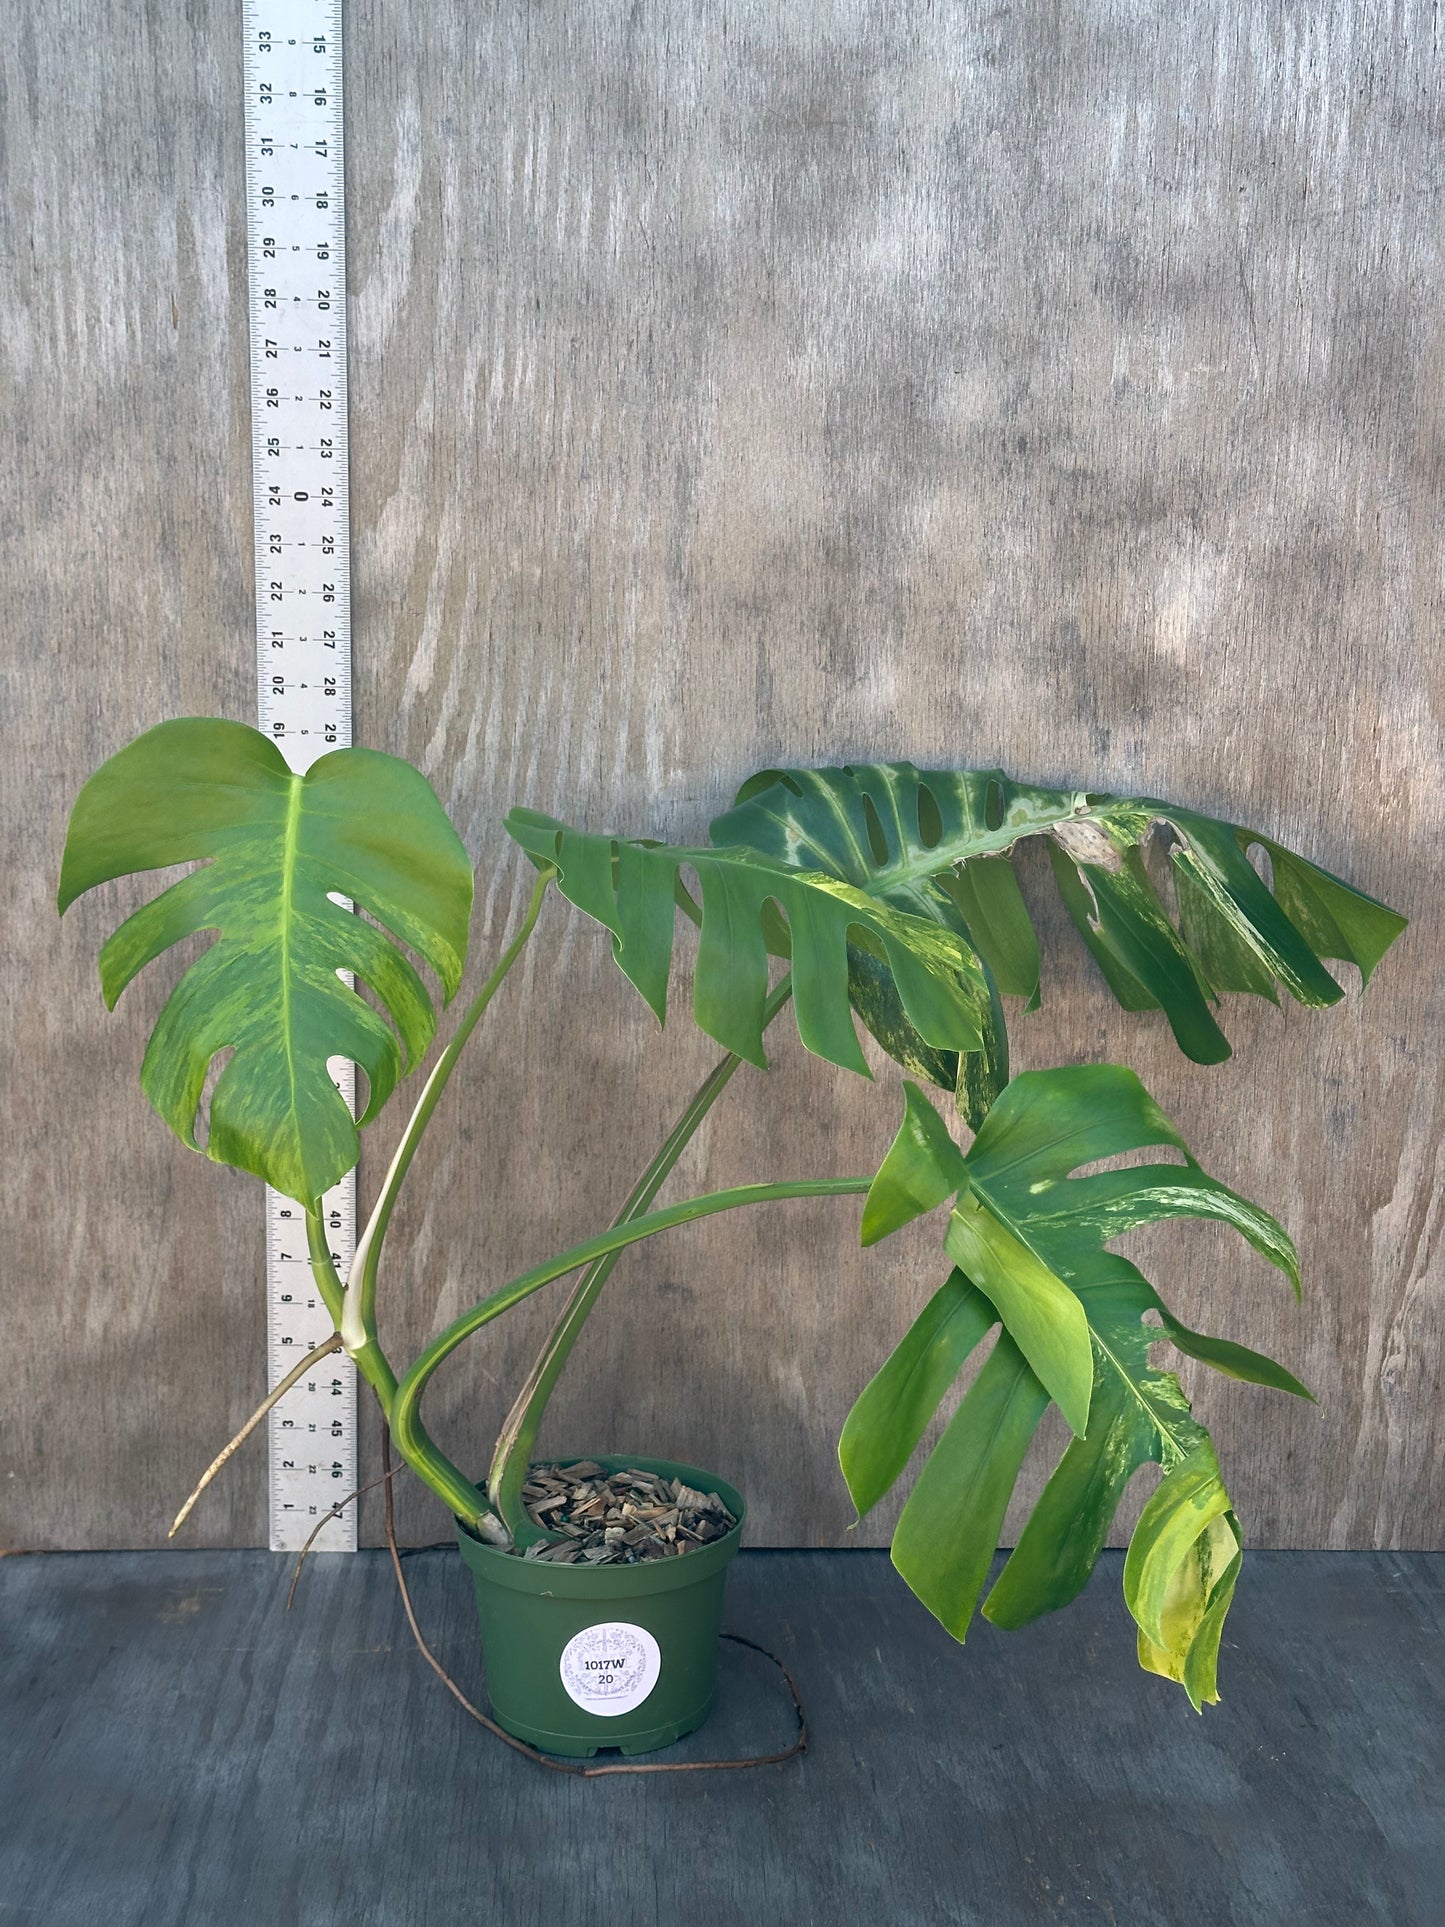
(914, 837)
(630, 888)
(1016, 1184)
(273, 849)
(1048, 1124)
(862, 825)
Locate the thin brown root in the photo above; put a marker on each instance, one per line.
(577, 1771)
(321, 1525)
(297, 1372)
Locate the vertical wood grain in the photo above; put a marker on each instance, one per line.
(1057, 386)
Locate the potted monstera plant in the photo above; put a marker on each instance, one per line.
(875, 892)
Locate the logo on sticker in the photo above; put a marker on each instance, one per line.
(611, 1667)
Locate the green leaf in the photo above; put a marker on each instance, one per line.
(1223, 962)
(920, 839)
(862, 825)
(923, 1167)
(1066, 1531)
(987, 894)
(935, 847)
(1180, 1573)
(1336, 920)
(874, 997)
(631, 889)
(273, 849)
(944, 1541)
(1211, 855)
(1048, 1124)
(894, 1408)
(1086, 913)
(982, 1074)
(1233, 1360)
(1028, 1233)
(1142, 956)
(1186, 1502)
(1040, 1313)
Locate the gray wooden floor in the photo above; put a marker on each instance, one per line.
(173, 1751)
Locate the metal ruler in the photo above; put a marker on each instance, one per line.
(296, 255)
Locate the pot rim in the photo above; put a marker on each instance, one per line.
(543, 1580)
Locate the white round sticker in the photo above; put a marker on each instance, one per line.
(611, 1667)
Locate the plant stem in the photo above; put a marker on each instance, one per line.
(421, 1453)
(328, 1283)
(368, 1357)
(518, 1436)
(358, 1309)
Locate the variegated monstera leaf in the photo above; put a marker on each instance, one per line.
(1028, 1240)
(877, 878)
(938, 843)
(273, 851)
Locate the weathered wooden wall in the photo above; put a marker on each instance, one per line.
(1061, 386)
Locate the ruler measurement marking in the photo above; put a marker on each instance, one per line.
(296, 255)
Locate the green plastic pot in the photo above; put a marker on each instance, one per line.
(582, 1657)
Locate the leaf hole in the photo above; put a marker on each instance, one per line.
(1131, 1160)
(336, 1069)
(1259, 858)
(777, 931)
(764, 779)
(215, 1071)
(1156, 853)
(930, 818)
(877, 839)
(688, 890)
(993, 804)
(425, 969)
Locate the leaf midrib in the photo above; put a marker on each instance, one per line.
(1164, 1430)
(929, 864)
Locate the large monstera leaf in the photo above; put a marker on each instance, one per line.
(753, 905)
(1028, 1240)
(937, 842)
(273, 849)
